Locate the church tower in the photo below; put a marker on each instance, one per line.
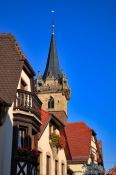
(52, 88)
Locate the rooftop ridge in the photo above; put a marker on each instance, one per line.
(18, 48)
(12, 37)
(81, 122)
(12, 62)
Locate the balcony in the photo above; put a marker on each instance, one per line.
(28, 102)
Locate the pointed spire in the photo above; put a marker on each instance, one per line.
(53, 26)
(52, 66)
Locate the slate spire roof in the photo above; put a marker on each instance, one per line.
(52, 66)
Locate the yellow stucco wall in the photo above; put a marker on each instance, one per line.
(45, 149)
(77, 169)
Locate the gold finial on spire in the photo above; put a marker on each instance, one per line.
(53, 26)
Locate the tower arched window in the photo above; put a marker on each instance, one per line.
(51, 103)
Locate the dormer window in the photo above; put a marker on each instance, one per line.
(51, 103)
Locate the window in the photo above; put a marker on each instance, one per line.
(50, 129)
(23, 139)
(3, 113)
(48, 165)
(34, 139)
(23, 85)
(51, 103)
(39, 162)
(62, 169)
(92, 157)
(54, 128)
(56, 167)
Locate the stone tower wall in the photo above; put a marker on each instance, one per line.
(60, 101)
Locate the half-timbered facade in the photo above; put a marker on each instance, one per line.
(19, 133)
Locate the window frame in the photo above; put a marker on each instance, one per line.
(22, 133)
(51, 103)
(56, 167)
(48, 165)
(62, 169)
(23, 85)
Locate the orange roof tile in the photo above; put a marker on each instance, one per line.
(45, 116)
(79, 139)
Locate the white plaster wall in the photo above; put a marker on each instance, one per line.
(6, 144)
(94, 148)
(26, 79)
(93, 143)
(77, 169)
(44, 146)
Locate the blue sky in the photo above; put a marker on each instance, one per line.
(85, 32)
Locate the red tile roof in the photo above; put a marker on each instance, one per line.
(79, 140)
(61, 115)
(45, 117)
(112, 171)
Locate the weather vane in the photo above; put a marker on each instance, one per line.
(53, 26)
